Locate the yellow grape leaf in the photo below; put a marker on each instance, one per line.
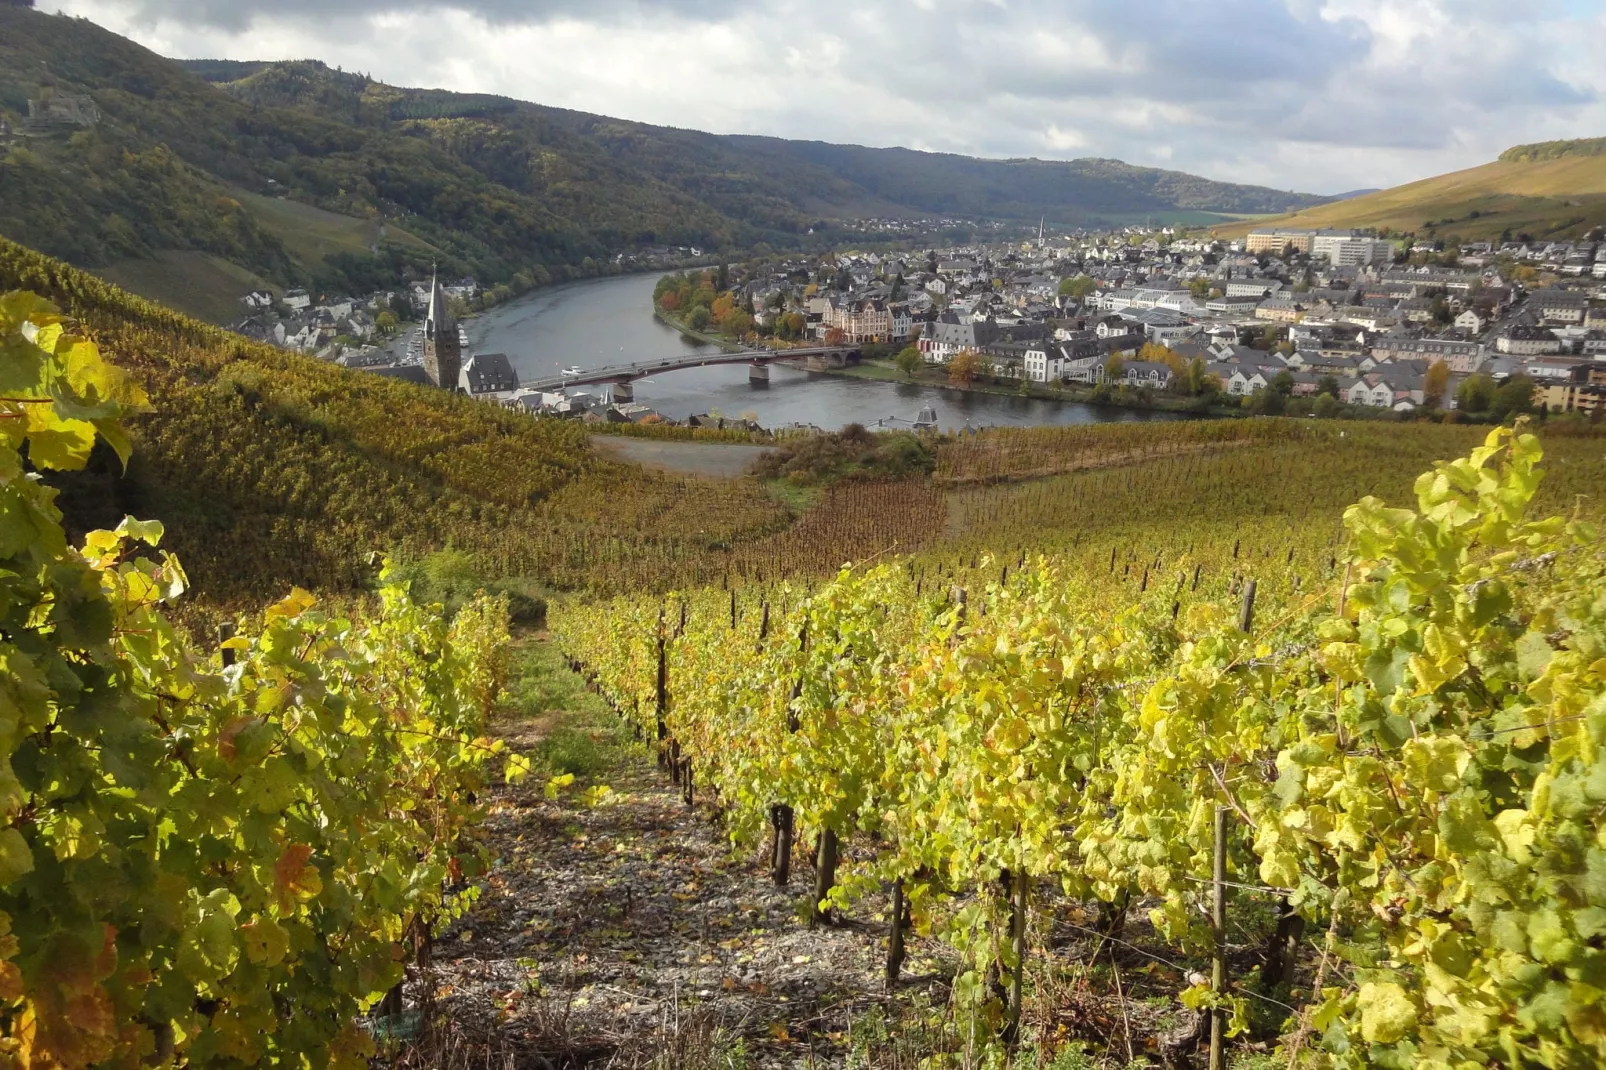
(266, 942)
(293, 604)
(556, 785)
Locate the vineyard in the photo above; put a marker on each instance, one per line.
(1374, 745)
(1024, 706)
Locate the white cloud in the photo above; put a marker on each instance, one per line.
(1317, 95)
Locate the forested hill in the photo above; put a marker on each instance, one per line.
(299, 173)
(771, 182)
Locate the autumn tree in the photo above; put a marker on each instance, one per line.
(835, 336)
(964, 367)
(1434, 384)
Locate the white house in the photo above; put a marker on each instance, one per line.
(1045, 363)
(1245, 380)
(1370, 390)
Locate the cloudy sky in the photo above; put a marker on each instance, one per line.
(1316, 95)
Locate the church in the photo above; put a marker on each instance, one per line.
(443, 350)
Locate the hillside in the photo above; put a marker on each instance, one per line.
(769, 181)
(1553, 190)
(273, 469)
(486, 185)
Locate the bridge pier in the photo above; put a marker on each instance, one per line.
(758, 374)
(623, 393)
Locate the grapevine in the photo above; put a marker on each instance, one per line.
(1406, 750)
(206, 858)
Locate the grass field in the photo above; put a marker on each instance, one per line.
(200, 284)
(312, 233)
(1558, 198)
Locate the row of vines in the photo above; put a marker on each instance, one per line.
(207, 857)
(1400, 746)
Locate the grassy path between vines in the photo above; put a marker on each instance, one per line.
(625, 932)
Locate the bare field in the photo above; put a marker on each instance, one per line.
(719, 459)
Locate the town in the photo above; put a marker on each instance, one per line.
(1278, 321)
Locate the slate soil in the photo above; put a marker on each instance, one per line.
(608, 934)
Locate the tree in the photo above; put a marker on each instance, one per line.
(1115, 367)
(1434, 384)
(386, 322)
(1327, 405)
(1282, 383)
(698, 317)
(1077, 286)
(909, 361)
(1513, 398)
(1328, 384)
(1199, 287)
(1476, 393)
(964, 366)
(1196, 379)
(835, 336)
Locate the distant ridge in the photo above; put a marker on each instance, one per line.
(1555, 150)
(1546, 191)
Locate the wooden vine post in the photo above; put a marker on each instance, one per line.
(825, 862)
(1218, 889)
(1017, 935)
(781, 814)
(1218, 942)
(661, 693)
(900, 925)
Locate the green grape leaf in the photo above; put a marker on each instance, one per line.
(1387, 1013)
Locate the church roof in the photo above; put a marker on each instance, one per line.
(439, 316)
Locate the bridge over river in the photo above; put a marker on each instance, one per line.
(758, 361)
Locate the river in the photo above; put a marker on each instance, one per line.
(597, 322)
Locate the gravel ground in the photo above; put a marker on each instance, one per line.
(604, 931)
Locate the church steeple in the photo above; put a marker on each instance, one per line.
(443, 355)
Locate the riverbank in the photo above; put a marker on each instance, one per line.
(937, 377)
(695, 335)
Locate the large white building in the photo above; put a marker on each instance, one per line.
(1346, 249)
